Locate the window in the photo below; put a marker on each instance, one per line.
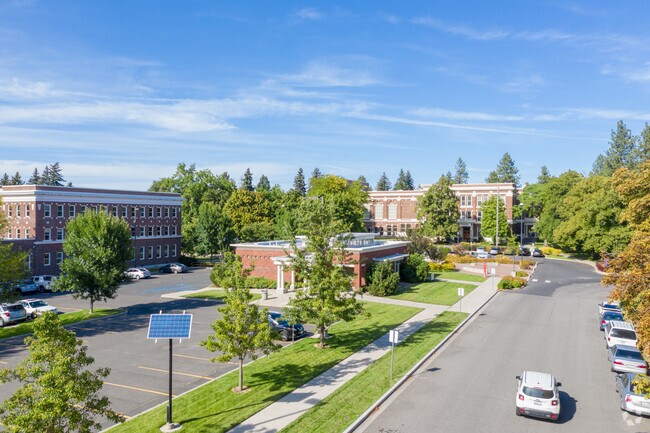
(26, 233)
(479, 215)
(47, 235)
(175, 212)
(392, 211)
(479, 200)
(59, 258)
(141, 231)
(150, 231)
(166, 212)
(158, 251)
(59, 234)
(150, 212)
(158, 212)
(27, 209)
(71, 210)
(462, 201)
(17, 233)
(379, 211)
(46, 259)
(150, 255)
(9, 234)
(174, 250)
(142, 212)
(158, 230)
(18, 210)
(59, 211)
(125, 211)
(141, 253)
(115, 210)
(95, 208)
(166, 230)
(174, 230)
(10, 211)
(166, 250)
(133, 234)
(133, 211)
(47, 211)
(82, 209)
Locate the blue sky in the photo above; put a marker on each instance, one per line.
(119, 92)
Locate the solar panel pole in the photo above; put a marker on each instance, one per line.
(169, 407)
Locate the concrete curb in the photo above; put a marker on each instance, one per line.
(364, 416)
(589, 263)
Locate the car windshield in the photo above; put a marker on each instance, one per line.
(612, 316)
(632, 354)
(611, 306)
(623, 333)
(36, 304)
(142, 269)
(538, 392)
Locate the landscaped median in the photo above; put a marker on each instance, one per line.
(459, 276)
(438, 293)
(336, 412)
(65, 319)
(216, 294)
(213, 407)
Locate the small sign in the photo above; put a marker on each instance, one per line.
(493, 271)
(393, 336)
(461, 292)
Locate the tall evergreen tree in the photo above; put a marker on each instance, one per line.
(400, 183)
(544, 175)
(316, 173)
(449, 176)
(263, 185)
(5, 180)
(383, 184)
(362, 179)
(247, 180)
(409, 181)
(461, 175)
(506, 171)
(46, 176)
(17, 180)
(622, 152)
(35, 179)
(55, 175)
(299, 183)
(644, 144)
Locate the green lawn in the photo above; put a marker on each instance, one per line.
(455, 275)
(439, 293)
(65, 319)
(217, 294)
(215, 408)
(336, 412)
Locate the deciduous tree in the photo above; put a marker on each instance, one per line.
(348, 197)
(246, 207)
(438, 211)
(489, 210)
(213, 230)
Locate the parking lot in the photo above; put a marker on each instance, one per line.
(139, 367)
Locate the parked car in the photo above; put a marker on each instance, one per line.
(607, 316)
(524, 251)
(36, 307)
(44, 282)
(494, 251)
(481, 253)
(137, 273)
(11, 314)
(285, 330)
(618, 332)
(26, 286)
(630, 400)
(537, 395)
(173, 268)
(537, 253)
(626, 359)
(611, 306)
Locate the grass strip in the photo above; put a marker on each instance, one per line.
(215, 408)
(217, 294)
(65, 319)
(460, 276)
(340, 409)
(439, 293)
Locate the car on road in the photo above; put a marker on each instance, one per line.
(608, 306)
(44, 282)
(524, 251)
(618, 332)
(537, 253)
(609, 315)
(626, 359)
(137, 273)
(11, 314)
(538, 395)
(36, 307)
(494, 251)
(630, 400)
(173, 268)
(481, 253)
(26, 286)
(282, 327)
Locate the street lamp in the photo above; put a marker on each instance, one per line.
(135, 236)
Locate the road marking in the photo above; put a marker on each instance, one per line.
(534, 280)
(175, 372)
(138, 389)
(547, 281)
(5, 363)
(71, 309)
(202, 359)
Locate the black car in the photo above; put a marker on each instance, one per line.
(524, 251)
(537, 253)
(284, 330)
(173, 268)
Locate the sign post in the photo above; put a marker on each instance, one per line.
(493, 271)
(393, 337)
(461, 293)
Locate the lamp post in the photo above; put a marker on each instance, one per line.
(135, 236)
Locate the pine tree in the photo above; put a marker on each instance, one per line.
(449, 176)
(263, 185)
(362, 179)
(383, 184)
(544, 175)
(5, 180)
(17, 180)
(623, 152)
(46, 176)
(461, 175)
(35, 179)
(400, 183)
(506, 172)
(299, 183)
(644, 144)
(56, 178)
(247, 180)
(316, 174)
(409, 181)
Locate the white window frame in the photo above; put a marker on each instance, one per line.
(158, 251)
(392, 211)
(60, 234)
(142, 253)
(46, 259)
(59, 211)
(167, 250)
(379, 211)
(150, 252)
(47, 210)
(47, 234)
(59, 257)
(71, 211)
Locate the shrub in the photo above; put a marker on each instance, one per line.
(382, 279)
(504, 260)
(415, 270)
(508, 283)
(441, 267)
(550, 251)
(521, 274)
(260, 283)
(188, 261)
(526, 264)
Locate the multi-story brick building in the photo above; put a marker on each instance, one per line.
(38, 214)
(392, 213)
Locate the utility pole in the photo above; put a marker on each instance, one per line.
(496, 235)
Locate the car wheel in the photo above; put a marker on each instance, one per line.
(33, 315)
(2, 323)
(175, 271)
(137, 277)
(284, 335)
(41, 289)
(517, 411)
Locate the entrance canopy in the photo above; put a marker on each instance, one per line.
(391, 258)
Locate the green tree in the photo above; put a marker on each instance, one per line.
(263, 185)
(35, 179)
(98, 247)
(246, 207)
(415, 269)
(243, 330)
(548, 201)
(348, 197)
(438, 211)
(644, 144)
(489, 209)
(506, 171)
(5, 180)
(362, 179)
(461, 175)
(299, 183)
(544, 175)
(328, 297)
(424, 245)
(622, 152)
(247, 181)
(16, 179)
(59, 393)
(316, 174)
(213, 230)
(52, 175)
(382, 280)
(13, 264)
(383, 184)
(404, 181)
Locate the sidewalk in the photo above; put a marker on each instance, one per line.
(290, 407)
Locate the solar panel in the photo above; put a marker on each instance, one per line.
(170, 326)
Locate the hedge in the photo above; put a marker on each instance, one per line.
(508, 283)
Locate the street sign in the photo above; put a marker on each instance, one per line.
(393, 336)
(461, 291)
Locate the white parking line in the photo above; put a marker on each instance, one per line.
(534, 280)
(547, 281)
(175, 372)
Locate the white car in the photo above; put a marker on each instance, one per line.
(44, 282)
(137, 273)
(608, 306)
(537, 395)
(36, 307)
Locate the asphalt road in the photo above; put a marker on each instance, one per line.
(550, 326)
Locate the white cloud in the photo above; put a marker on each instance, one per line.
(15, 88)
(309, 14)
(344, 72)
(440, 113)
(462, 30)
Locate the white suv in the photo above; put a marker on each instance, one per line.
(618, 332)
(537, 395)
(44, 282)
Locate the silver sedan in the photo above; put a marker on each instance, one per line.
(626, 359)
(630, 400)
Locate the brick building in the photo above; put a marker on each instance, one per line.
(392, 213)
(38, 214)
(271, 258)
